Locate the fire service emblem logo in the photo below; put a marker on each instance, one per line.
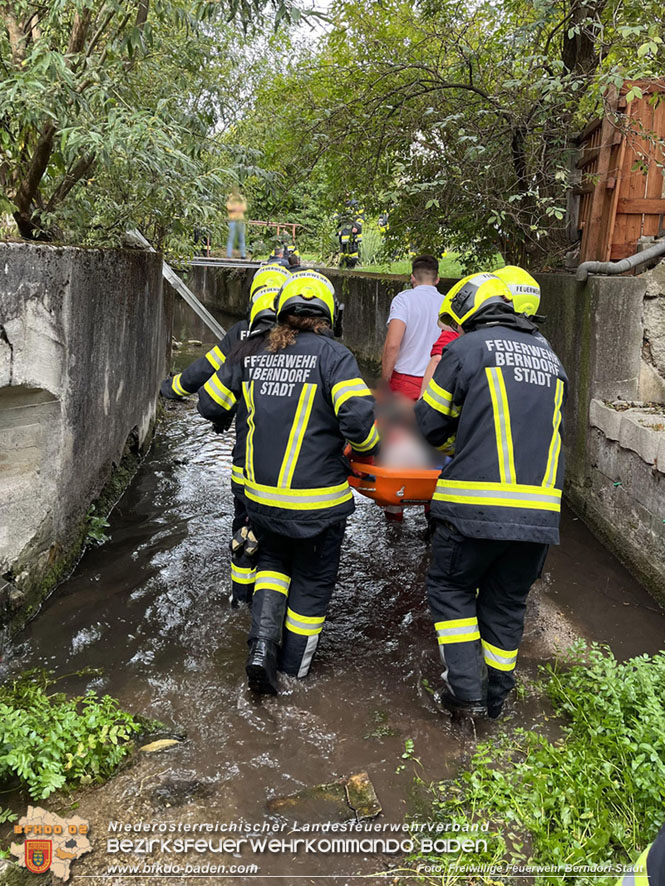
(38, 855)
(51, 843)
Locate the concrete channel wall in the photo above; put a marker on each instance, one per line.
(610, 336)
(84, 342)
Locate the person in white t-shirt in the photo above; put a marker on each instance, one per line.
(412, 329)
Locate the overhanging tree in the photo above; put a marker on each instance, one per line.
(115, 91)
(462, 116)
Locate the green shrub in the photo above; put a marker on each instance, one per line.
(49, 741)
(596, 795)
(371, 247)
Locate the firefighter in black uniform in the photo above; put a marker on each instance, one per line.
(187, 382)
(496, 400)
(198, 374)
(279, 256)
(293, 255)
(243, 542)
(350, 233)
(304, 398)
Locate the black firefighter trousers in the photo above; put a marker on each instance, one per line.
(477, 590)
(242, 566)
(295, 578)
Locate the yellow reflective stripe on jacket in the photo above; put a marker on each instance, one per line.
(448, 448)
(369, 442)
(298, 499)
(555, 446)
(215, 357)
(457, 630)
(177, 386)
(248, 393)
(305, 625)
(638, 876)
(440, 399)
(267, 580)
(242, 575)
(237, 475)
(220, 393)
(297, 435)
(504, 435)
(502, 495)
(344, 390)
(500, 659)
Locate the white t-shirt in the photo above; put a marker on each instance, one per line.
(419, 309)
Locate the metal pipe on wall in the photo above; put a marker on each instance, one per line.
(619, 267)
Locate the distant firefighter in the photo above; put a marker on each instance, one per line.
(350, 233)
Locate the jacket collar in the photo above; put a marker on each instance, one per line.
(500, 315)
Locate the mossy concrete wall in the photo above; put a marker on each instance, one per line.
(84, 343)
(615, 481)
(603, 331)
(596, 329)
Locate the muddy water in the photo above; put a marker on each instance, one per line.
(149, 608)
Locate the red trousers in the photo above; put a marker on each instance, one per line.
(408, 385)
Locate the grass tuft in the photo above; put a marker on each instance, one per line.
(594, 796)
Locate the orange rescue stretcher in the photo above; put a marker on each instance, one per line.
(394, 486)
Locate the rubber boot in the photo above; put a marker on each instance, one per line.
(459, 705)
(261, 666)
(494, 709)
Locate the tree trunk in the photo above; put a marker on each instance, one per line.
(28, 185)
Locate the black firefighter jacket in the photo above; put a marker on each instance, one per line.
(496, 399)
(197, 373)
(302, 403)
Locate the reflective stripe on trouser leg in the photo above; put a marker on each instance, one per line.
(464, 671)
(451, 592)
(499, 659)
(501, 607)
(500, 671)
(303, 633)
(271, 590)
(314, 573)
(242, 580)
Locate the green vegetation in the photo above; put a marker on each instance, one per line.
(593, 796)
(48, 741)
(458, 119)
(97, 523)
(449, 266)
(111, 113)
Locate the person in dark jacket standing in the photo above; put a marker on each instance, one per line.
(495, 401)
(304, 398)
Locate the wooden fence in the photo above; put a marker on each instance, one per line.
(622, 184)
